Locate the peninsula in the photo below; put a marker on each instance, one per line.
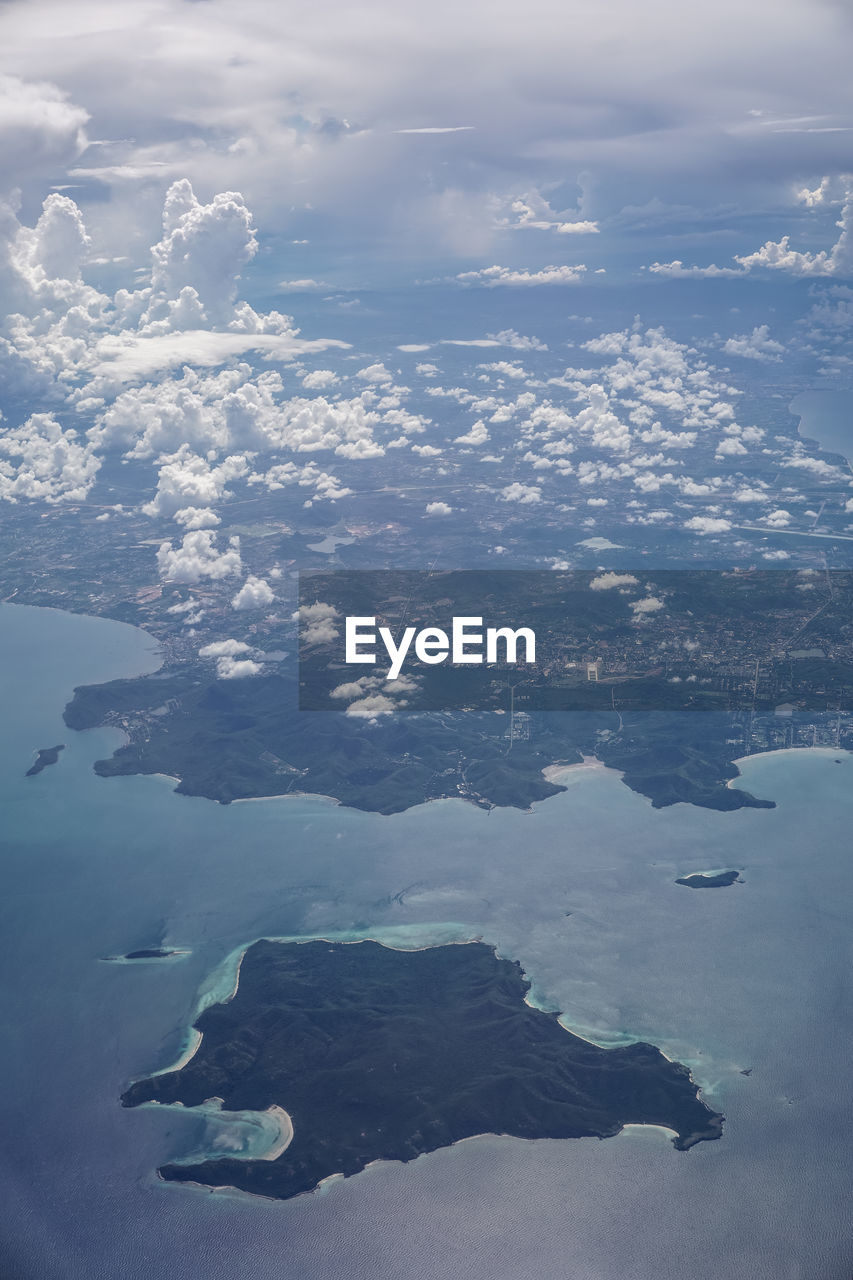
(380, 1054)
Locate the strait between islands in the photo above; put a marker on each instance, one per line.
(380, 1054)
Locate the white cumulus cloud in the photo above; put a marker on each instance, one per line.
(197, 557)
(255, 593)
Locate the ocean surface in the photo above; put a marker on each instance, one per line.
(754, 977)
(826, 415)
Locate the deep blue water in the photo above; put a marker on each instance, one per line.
(754, 976)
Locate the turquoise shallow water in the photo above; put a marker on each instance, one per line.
(754, 976)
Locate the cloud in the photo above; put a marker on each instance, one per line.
(533, 212)
(520, 342)
(580, 228)
(373, 706)
(312, 120)
(777, 255)
(649, 604)
(325, 486)
(303, 286)
(187, 481)
(607, 581)
(237, 668)
(526, 494)
(677, 270)
(504, 338)
(376, 373)
(352, 689)
(203, 250)
(255, 593)
(239, 408)
(817, 466)
(41, 460)
(438, 509)
(129, 357)
(197, 558)
(477, 434)
(757, 345)
(750, 494)
(230, 664)
(317, 623)
(224, 648)
(492, 277)
(816, 197)
(505, 368)
(319, 379)
(41, 130)
(197, 518)
(453, 128)
(708, 524)
(62, 339)
(730, 448)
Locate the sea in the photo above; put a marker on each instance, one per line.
(755, 978)
(826, 415)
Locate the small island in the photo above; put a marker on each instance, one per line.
(46, 756)
(149, 953)
(715, 880)
(380, 1054)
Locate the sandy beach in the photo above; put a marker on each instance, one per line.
(561, 773)
(285, 1133)
(194, 1040)
(832, 752)
(629, 1130)
(790, 751)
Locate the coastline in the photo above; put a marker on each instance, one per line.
(223, 983)
(257, 1121)
(637, 1130)
(739, 761)
(194, 1038)
(559, 773)
(285, 1136)
(788, 751)
(286, 795)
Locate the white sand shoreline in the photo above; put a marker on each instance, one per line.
(285, 1133)
(639, 1128)
(790, 751)
(194, 1038)
(589, 764)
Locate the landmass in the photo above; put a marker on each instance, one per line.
(239, 739)
(706, 640)
(46, 756)
(718, 880)
(150, 953)
(380, 1054)
(724, 665)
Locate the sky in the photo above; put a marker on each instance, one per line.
(535, 135)
(202, 201)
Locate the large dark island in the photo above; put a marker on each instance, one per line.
(379, 1054)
